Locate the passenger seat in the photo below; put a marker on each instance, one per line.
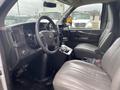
(86, 50)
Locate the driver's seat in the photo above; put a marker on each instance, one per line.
(78, 75)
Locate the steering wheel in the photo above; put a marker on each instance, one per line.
(48, 39)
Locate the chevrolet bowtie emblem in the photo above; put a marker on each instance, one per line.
(50, 36)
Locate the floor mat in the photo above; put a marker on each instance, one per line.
(41, 87)
(33, 85)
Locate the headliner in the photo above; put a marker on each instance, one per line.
(83, 2)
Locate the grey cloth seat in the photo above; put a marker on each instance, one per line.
(106, 39)
(85, 50)
(78, 75)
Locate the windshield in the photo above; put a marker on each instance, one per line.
(52, 15)
(31, 10)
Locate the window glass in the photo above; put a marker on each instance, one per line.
(86, 17)
(31, 10)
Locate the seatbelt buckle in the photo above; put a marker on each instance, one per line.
(98, 62)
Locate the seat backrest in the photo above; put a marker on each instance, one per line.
(111, 64)
(116, 81)
(106, 38)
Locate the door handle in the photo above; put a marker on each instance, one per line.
(84, 38)
(65, 39)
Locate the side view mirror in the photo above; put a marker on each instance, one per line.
(49, 4)
(69, 21)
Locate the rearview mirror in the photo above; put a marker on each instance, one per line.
(49, 4)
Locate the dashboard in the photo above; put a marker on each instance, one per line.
(22, 42)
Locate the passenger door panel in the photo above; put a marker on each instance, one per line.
(74, 37)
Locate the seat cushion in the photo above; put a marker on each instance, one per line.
(78, 75)
(85, 50)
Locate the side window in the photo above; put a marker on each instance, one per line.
(86, 17)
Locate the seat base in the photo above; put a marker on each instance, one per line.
(85, 50)
(78, 75)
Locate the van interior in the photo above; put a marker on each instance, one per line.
(60, 44)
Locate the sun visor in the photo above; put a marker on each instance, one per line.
(82, 2)
(69, 2)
